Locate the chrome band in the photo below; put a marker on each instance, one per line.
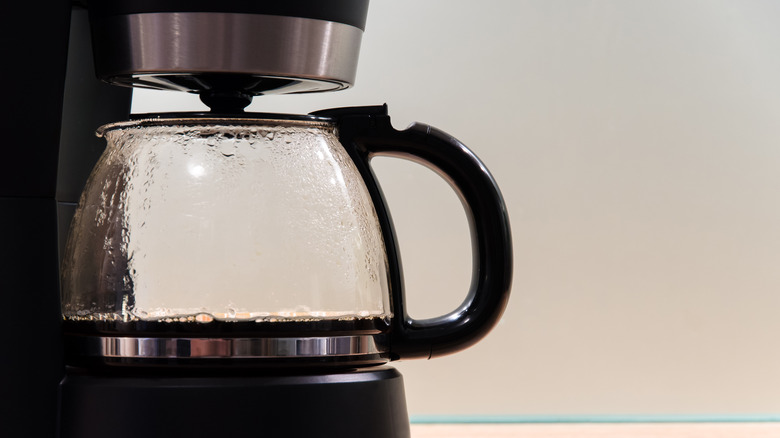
(142, 49)
(218, 348)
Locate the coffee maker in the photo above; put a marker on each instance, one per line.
(227, 52)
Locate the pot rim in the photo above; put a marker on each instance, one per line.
(212, 120)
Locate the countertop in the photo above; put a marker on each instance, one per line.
(600, 430)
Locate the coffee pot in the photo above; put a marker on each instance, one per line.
(263, 239)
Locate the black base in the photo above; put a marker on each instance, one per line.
(357, 403)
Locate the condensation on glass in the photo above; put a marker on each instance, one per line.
(242, 221)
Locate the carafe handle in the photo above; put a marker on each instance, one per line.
(366, 132)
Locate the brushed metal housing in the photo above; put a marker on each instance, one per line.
(251, 53)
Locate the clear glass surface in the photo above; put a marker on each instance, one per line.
(263, 221)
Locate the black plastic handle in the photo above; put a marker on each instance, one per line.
(367, 132)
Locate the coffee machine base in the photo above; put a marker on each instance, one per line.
(354, 403)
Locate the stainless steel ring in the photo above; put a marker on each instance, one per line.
(218, 348)
(150, 48)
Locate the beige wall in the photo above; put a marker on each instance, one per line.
(638, 148)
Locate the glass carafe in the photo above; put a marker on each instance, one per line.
(263, 238)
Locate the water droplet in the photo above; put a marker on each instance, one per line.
(227, 149)
(203, 317)
(269, 135)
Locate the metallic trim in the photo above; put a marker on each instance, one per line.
(221, 348)
(144, 49)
